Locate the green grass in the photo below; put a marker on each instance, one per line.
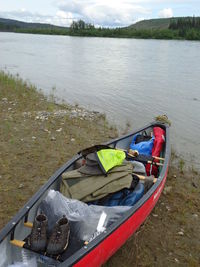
(151, 24)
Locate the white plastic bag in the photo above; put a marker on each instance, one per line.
(83, 218)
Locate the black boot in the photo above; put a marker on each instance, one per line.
(59, 238)
(38, 237)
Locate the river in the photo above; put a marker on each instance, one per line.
(130, 80)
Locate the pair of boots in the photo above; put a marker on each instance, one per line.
(58, 240)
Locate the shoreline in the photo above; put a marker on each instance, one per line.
(38, 136)
(107, 36)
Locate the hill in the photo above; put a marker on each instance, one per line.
(158, 24)
(11, 25)
(151, 24)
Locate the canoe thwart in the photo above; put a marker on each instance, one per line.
(158, 158)
(17, 243)
(28, 224)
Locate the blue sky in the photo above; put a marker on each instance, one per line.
(99, 12)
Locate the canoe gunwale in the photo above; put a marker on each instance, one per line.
(87, 249)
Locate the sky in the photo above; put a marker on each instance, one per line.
(106, 13)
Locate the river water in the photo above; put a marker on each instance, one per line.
(130, 80)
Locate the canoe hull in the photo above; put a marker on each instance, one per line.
(113, 242)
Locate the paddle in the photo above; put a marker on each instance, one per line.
(144, 159)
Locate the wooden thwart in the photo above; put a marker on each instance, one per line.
(155, 163)
(28, 224)
(17, 243)
(158, 158)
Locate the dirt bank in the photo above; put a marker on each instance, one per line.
(37, 136)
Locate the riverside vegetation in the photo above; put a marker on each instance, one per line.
(183, 28)
(37, 136)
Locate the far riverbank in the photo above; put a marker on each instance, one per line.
(185, 28)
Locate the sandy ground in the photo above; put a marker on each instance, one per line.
(37, 136)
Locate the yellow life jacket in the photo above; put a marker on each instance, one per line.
(109, 158)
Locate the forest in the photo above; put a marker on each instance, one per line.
(183, 28)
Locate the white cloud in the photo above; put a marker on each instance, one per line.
(99, 12)
(165, 13)
(61, 18)
(105, 13)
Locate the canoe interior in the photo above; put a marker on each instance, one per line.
(15, 229)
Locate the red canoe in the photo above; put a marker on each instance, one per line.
(13, 237)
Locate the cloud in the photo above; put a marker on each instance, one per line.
(60, 18)
(105, 13)
(23, 14)
(110, 13)
(165, 13)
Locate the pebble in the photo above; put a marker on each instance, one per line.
(168, 208)
(155, 215)
(53, 138)
(4, 99)
(195, 215)
(176, 260)
(21, 186)
(46, 130)
(180, 233)
(26, 114)
(0, 176)
(9, 109)
(59, 130)
(174, 176)
(33, 137)
(74, 113)
(194, 185)
(72, 139)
